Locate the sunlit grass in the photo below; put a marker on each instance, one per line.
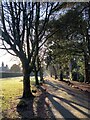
(10, 89)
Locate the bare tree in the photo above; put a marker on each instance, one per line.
(23, 27)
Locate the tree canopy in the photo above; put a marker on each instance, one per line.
(70, 40)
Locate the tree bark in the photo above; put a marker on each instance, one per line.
(50, 74)
(86, 69)
(55, 73)
(36, 76)
(41, 75)
(61, 76)
(26, 83)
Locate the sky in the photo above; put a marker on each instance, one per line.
(7, 58)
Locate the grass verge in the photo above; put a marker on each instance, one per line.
(11, 89)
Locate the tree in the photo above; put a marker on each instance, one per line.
(36, 70)
(87, 54)
(72, 35)
(15, 68)
(23, 27)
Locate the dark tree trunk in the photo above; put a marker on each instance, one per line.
(86, 69)
(61, 76)
(88, 35)
(26, 83)
(70, 70)
(50, 74)
(26, 86)
(36, 76)
(55, 73)
(41, 75)
(56, 76)
(89, 72)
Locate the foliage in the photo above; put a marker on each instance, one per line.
(15, 68)
(66, 44)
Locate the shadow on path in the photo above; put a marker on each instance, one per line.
(67, 115)
(47, 101)
(74, 105)
(70, 91)
(70, 103)
(43, 108)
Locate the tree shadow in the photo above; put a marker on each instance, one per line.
(67, 115)
(80, 98)
(25, 109)
(43, 109)
(73, 106)
(71, 103)
(62, 110)
(69, 91)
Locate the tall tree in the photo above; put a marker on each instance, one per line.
(23, 27)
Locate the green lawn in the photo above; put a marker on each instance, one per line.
(11, 89)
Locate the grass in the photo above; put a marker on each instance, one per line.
(11, 89)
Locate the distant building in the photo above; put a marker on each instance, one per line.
(4, 68)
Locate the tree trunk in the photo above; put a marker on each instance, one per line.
(89, 72)
(86, 68)
(41, 75)
(61, 76)
(26, 83)
(55, 73)
(50, 74)
(70, 70)
(51, 70)
(36, 76)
